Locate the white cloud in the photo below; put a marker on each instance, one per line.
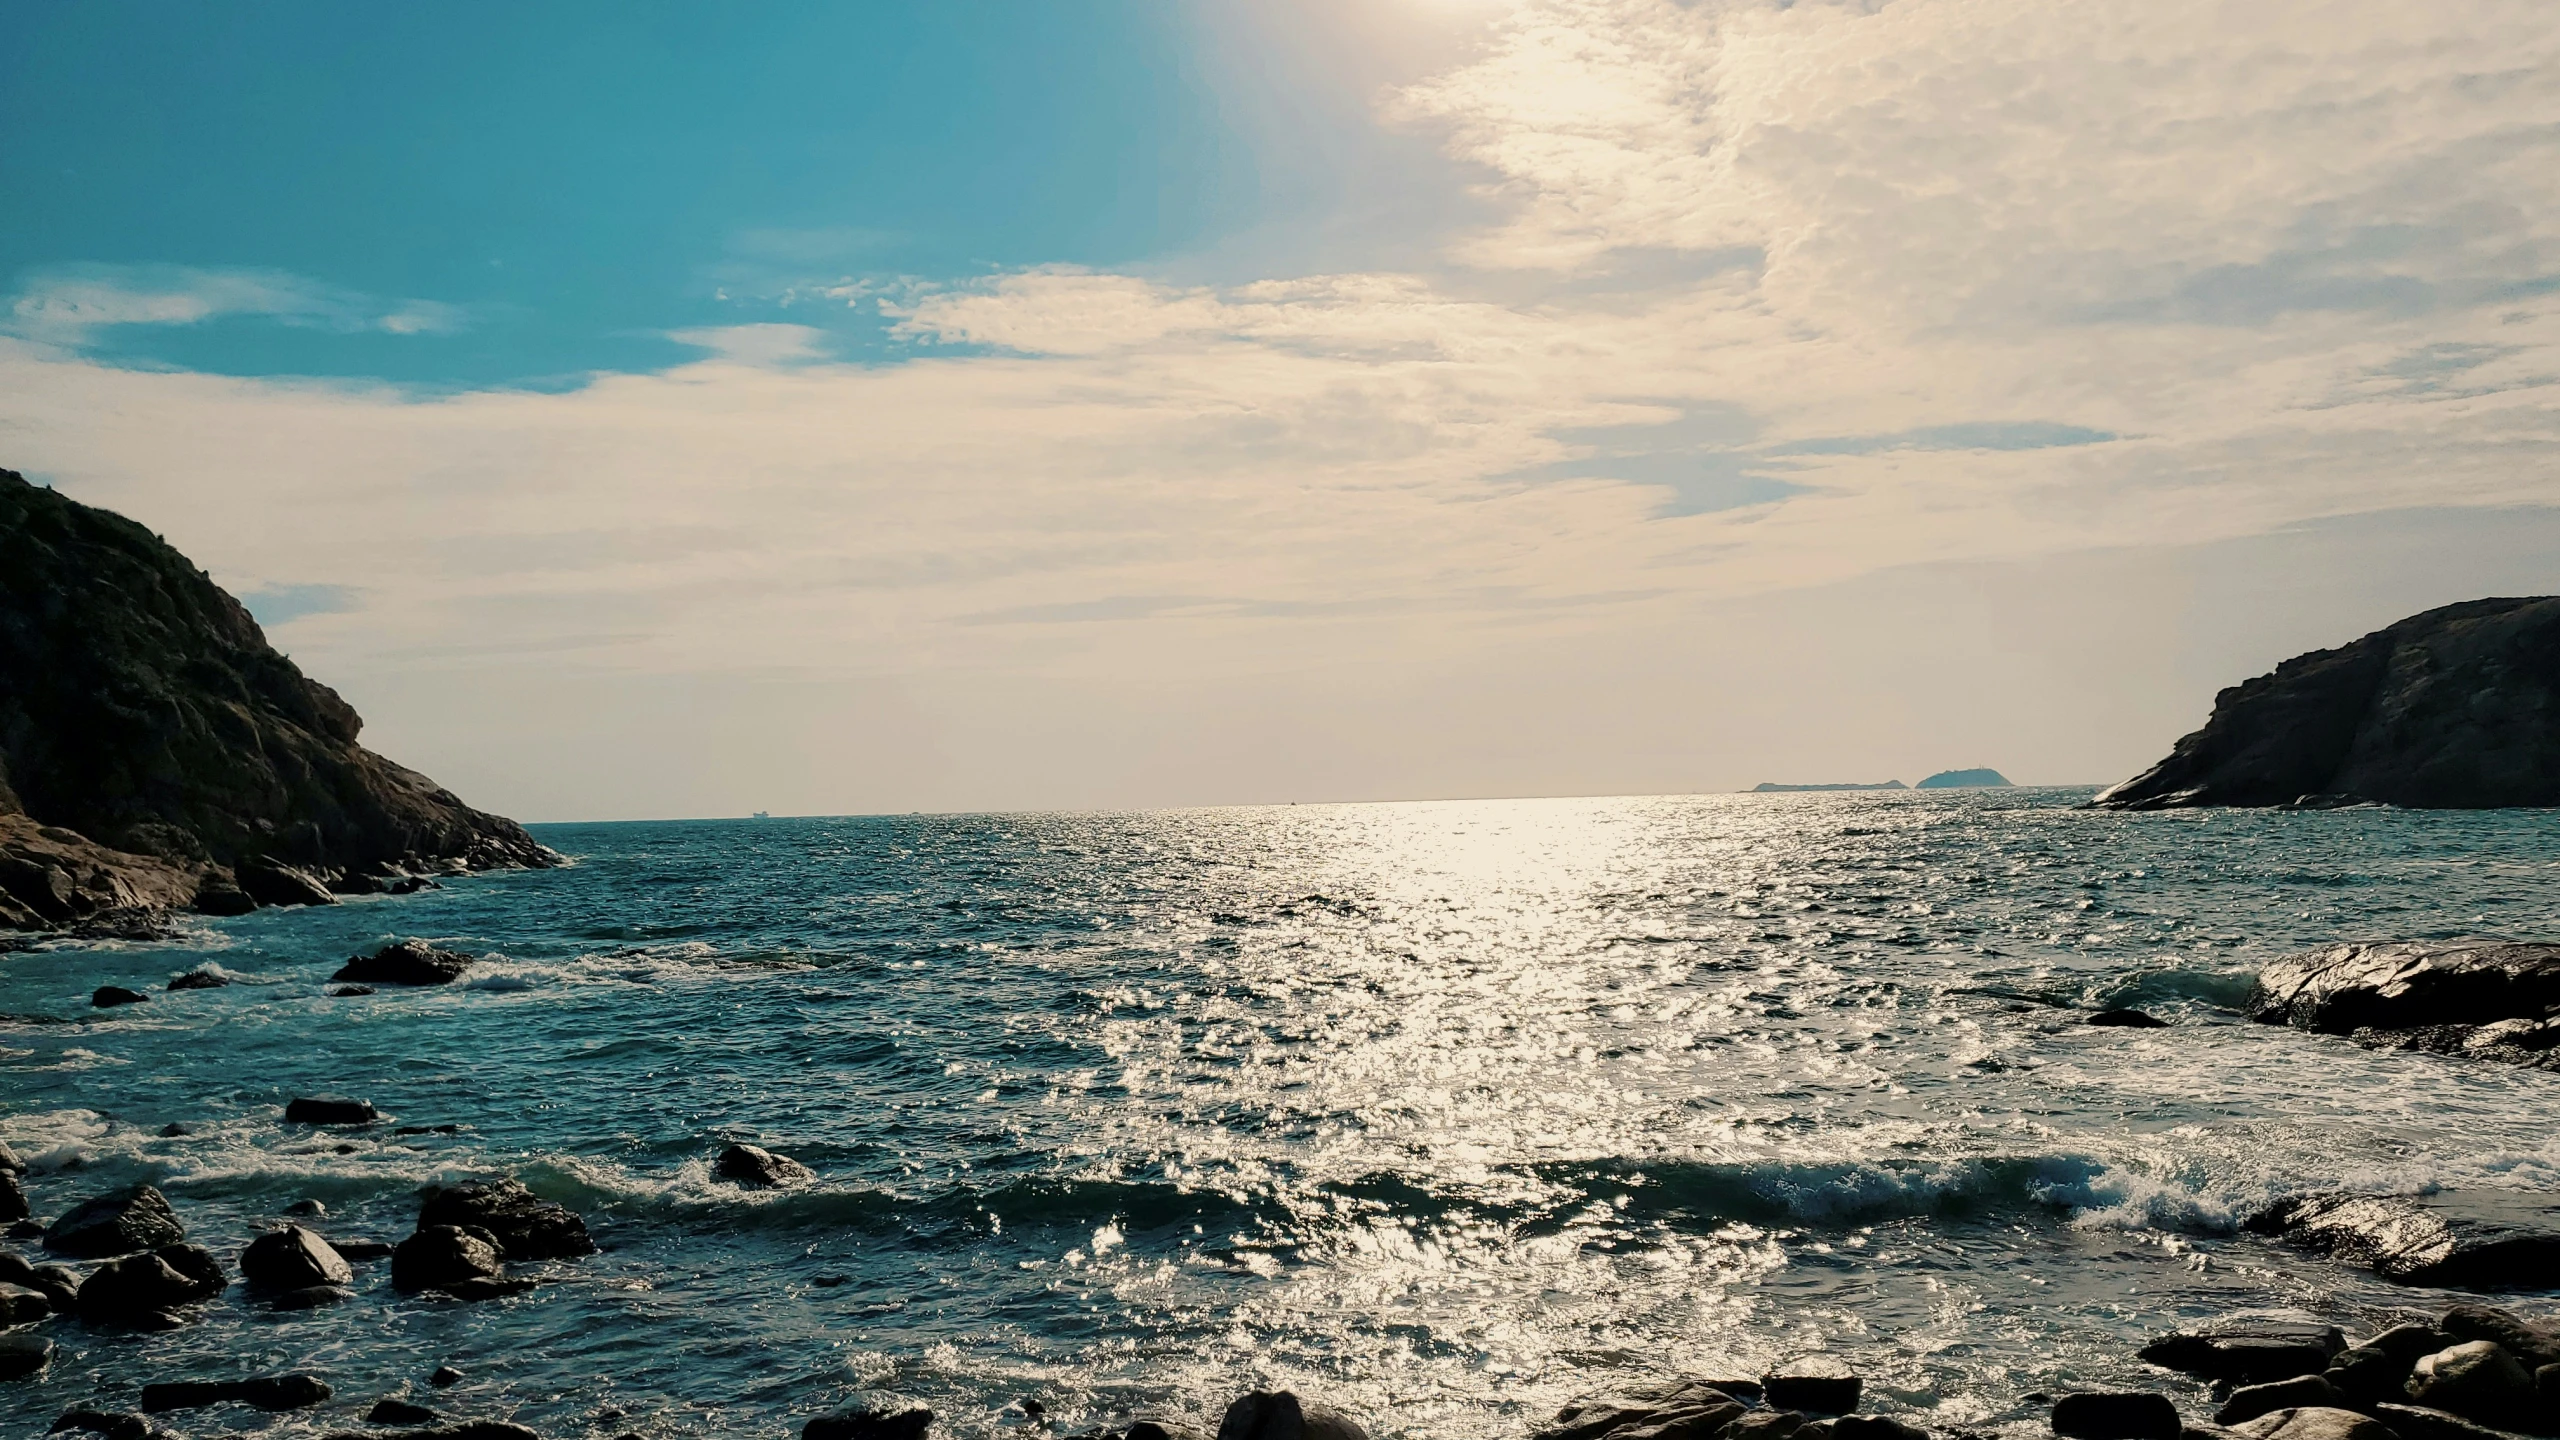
(68, 306)
(2259, 264)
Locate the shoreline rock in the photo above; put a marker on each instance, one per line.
(2458, 1239)
(2489, 999)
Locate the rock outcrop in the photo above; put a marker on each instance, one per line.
(156, 753)
(2457, 708)
(2462, 1239)
(2485, 998)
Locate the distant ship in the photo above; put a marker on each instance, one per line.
(760, 815)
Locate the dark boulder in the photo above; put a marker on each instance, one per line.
(444, 1377)
(2251, 1401)
(109, 1423)
(13, 1198)
(361, 1251)
(330, 1110)
(1658, 1412)
(107, 997)
(2477, 1380)
(10, 1164)
(57, 1283)
(271, 883)
(1281, 1415)
(2251, 1354)
(145, 1291)
(464, 1263)
(760, 1169)
(2405, 1343)
(871, 1417)
(2483, 998)
(2460, 1239)
(405, 962)
(22, 1305)
(2458, 707)
(24, 1356)
(116, 1223)
(526, 1227)
(203, 977)
(218, 894)
(292, 1259)
(348, 992)
(2367, 1374)
(2127, 1019)
(307, 1207)
(2139, 1415)
(2533, 1344)
(1818, 1384)
(395, 1411)
(1875, 1427)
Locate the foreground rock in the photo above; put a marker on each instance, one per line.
(2452, 709)
(2490, 999)
(156, 753)
(873, 1417)
(2461, 1239)
(292, 1259)
(273, 1393)
(757, 1168)
(524, 1226)
(116, 1223)
(466, 1264)
(1656, 1412)
(1281, 1415)
(24, 1356)
(150, 1291)
(407, 962)
(2138, 1416)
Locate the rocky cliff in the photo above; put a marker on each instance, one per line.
(155, 750)
(2457, 708)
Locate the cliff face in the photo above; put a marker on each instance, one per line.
(142, 710)
(2457, 708)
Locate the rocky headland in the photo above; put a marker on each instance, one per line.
(158, 755)
(2456, 708)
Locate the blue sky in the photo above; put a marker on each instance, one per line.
(664, 409)
(563, 184)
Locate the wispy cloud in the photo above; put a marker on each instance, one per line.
(70, 305)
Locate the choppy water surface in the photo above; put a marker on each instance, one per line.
(1446, 1111)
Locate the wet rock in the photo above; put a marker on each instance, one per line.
(2314, 1423)
(2418, 1422)
(173, 1131)
(1764, 1425)
(2460, 1239)
(1281, 1415)
(760, 1169)
(2477, 1380)
(103, 1422)
(24, 1356)
(405, 962)
(217, 895)
(2302, 1391)
(2533, 1344)
(309, 1208)
(873, 1417)
(10, 1164)
(2248, 1354)
(1818, 1383)
(394, 1411)
(310, 1297)
(1685, 1409)
(2136, 1415)
(292, 1259)
(108, 996)
(330, 1110)
(13, 1197)
(1875, 1427)
(444, 1377)
(270, 883)
(2128, 1019)
(361, 1251)
(203, 977)
(464, 1263)
(59, 1284)
(525, 1228)
(2405, 1343)
(144, 1291)
(20, 1305)
(343, 992)
(2365, 1374)
(2459, 997)
(119, 1222)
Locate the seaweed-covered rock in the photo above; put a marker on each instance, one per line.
(119, 1222)
(405, 962)
(525, 1226)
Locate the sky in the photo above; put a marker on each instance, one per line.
(645, 410)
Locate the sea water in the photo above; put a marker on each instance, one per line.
(1445, 1113)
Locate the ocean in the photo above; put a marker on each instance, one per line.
(1444, 1113)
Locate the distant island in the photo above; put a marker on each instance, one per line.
(1964, 780)
(1943, 780)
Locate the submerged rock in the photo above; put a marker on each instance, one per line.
(24, 1356)
(760, 1169)
(273, 1393)
(524, 1226)
(107, 997)
(2462, 1239)
(2139, 1415)
(1281, 1415)
(2450, 708)
(330, 1110)
(203, 977)
(1683, 1409)
(444, 1376)
(405, 962)
(2127, 1019)
(293, 1258)
(116, 1223)
(873, 1417)
(2248, 1354)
